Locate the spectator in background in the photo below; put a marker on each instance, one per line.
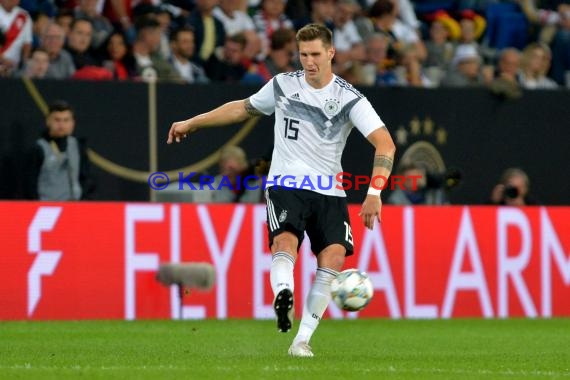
(57, 168)
(347, 41)
(37, 65)
(268, 19)
(118, 57)
(472, 27)
(384, 15)
(465, 68)
(102, 28)
(146, 10)
(439, 46)
(415, 187)
(164, 18)
(406, 13)
(544, 16)
(150, 63)
(120, 13)
(534, 66)
(79, 43)
(513, 189)
(182, 46)
(505, 81)
(322, 12)
(561, 48)
(64, 18)
(227, 64)
(209, 32)
(376, 71)
(230, 184)
(236, 21)
(40, 22)
(16, 26)
(281, 57)
(60, 62)
(87, 65)
(409, 70)
(509, 64)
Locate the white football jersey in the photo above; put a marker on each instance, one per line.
(311, 128)
(14, 51)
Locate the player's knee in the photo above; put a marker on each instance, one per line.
(285, 242)
(332, 257)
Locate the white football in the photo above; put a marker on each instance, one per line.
(352, 290)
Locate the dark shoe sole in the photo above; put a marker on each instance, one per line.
(283, 305)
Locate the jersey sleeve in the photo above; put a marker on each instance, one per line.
(365, 118)
(264, 99)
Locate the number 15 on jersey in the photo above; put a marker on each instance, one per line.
(291, 128)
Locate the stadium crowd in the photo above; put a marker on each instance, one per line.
(506, 45)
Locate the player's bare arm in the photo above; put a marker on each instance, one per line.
(382, 167)
(229, 113)
(384, 161)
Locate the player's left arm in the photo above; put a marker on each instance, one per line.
(383, 163)
(228, 113)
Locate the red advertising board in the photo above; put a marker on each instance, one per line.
(99, 261)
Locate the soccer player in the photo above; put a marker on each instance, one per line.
(314, 112)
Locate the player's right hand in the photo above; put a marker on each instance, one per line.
(371, 210)
(179, 130)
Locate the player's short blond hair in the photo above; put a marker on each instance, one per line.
(313, 32)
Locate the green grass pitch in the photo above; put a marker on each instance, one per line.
(246, 349)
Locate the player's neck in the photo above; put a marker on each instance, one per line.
(317, 84)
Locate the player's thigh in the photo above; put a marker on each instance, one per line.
(287, 211)
(330, 224)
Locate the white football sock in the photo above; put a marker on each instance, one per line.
(317, 301)
(281, 275)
